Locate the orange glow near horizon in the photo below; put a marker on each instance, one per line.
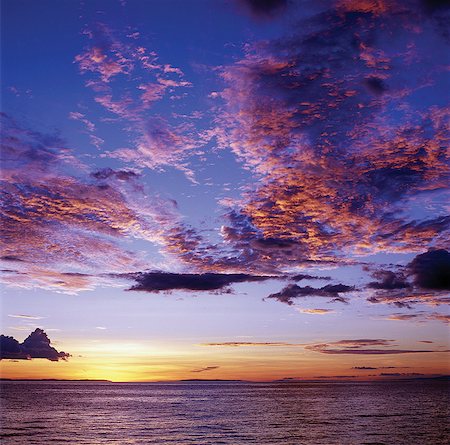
(132, 363)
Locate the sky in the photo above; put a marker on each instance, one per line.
(225, 189)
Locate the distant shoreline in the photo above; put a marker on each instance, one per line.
(287, 381)
(56, 380)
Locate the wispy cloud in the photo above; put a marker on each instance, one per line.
(89, 126)
(63, 225)
(316, 311)
(420, 317)
(127, 80)
(238, 344)
(25, 317)
(361, 347)
(205, 369)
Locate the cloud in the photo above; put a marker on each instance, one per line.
(361, 347)
(445, 318)
(89, 126)
(36, 345)
(238, 344)
(311, 116)
(316, 311)
(300, 112)
(292, 291)
(363, 368)
(400, 374)
(420, 317)
(431, 270)
(403, 316)
(107, 66)
(26, 317)
(165, 281)
(335, 376)
(407, 300)
(388, 280)
(300, 277)
(154, 140)
(338, 147)
(122, 175)
(64, 226)
(206, 368)
(160, 143)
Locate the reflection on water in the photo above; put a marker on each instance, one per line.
(41, 413)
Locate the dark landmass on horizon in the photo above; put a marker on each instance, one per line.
(213, 380)
(331, 380)
(56, 380)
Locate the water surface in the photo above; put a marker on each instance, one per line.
(42, 413)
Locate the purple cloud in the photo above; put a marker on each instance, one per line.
(36, 345)
(361, 347)
(430, 272)
(164, 281)
(292, 291)
(311, 116)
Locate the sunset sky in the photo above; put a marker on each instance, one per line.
(225, 189)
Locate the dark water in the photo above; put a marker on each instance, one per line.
(225, 413)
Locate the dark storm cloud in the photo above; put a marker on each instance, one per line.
(36, 345)
(431, 270)
(165, 281)
(292, 291)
